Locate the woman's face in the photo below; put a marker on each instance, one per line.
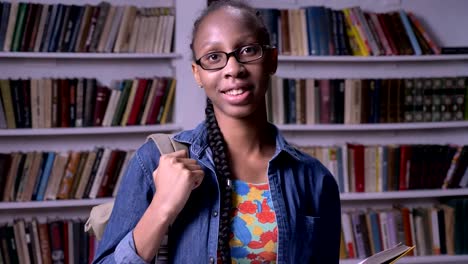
(238, 89)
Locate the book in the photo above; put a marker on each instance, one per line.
(388, 256)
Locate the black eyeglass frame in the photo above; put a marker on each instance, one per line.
(234, 53)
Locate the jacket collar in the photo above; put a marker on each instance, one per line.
(198, 141)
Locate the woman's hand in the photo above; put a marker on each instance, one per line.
(175, 178)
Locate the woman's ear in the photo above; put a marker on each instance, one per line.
(196, 74)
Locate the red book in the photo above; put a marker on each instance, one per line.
(435, 48)
(405, 214)
(64, 103)
(137, 106)
(387, 33)
(161, 89)
(100, 105)
(56, 241)
(359, 167)
(405, 158)
(112, 168)
(66, 252)
(324, 86)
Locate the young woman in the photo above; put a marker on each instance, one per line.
(242, 194)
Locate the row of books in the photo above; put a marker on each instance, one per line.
(34, 27)
(357, 168)
(46, 103)
(436, 230)
(319, 30)
(51, 241)
(38, 176)
(381, 168)
(357, 101)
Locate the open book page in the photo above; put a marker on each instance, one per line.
(388, 256)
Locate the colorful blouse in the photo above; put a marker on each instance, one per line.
(254, 231)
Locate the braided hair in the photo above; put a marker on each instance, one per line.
(215, 137)
(223, 172)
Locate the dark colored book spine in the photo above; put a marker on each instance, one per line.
(102, 98)
(16, 97)
(72, 109)
(454, 50)
(56, 242)
(4, 22)
(94, 170)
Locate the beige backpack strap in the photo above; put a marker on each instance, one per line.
(100, 214)
(165, 143)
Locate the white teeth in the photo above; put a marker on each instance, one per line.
(235, 92)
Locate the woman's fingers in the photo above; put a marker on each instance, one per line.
(197, 178)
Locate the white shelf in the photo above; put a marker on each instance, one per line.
(87, 130)
(376, 59)
(84, 56)
(367, 127)
(412, 194)
(425, 259)
(345, 67)
(52, 204)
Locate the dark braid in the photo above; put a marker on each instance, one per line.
(223, 172)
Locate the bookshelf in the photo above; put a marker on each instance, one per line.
(446, 31)
(105, 67)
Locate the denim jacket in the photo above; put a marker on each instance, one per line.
(304, 194)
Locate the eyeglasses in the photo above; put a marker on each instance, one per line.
(218, 60)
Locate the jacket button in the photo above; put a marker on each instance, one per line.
(215, 213)
(212, 260)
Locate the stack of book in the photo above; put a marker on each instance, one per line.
(319, 30)
(49, 103)
(33, 27)
(358, 101)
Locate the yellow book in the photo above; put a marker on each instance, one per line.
(130, 100)
(7, 103)
(353, 33)
(168, 103)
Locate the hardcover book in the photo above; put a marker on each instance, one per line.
(389, 256)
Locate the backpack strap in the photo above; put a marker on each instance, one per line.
(165, 143)
(100, 214)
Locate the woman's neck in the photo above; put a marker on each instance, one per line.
(247, 137)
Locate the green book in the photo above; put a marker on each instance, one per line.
(19, 26)
(122, 103)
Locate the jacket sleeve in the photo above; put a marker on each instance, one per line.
(135, 192)
(330, 212)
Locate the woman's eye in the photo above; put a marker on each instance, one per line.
(212, 57)
(249, 50)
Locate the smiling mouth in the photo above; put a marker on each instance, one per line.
(234, 91)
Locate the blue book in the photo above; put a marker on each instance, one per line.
(55, 36)
(375, 231)
(313, 29)
(39, 173)
(291, 103)
(75, 30)
(4, 22)
(49, 28)
(339, 160)
(270, 18)
(410, 33)
(45, 176)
